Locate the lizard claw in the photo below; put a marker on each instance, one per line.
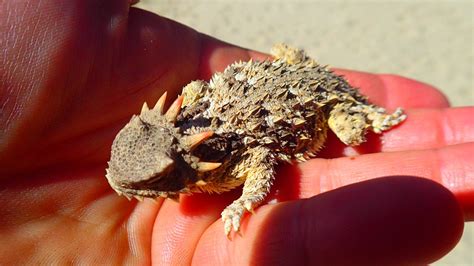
(232, 216)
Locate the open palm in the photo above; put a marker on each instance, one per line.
(73, 72)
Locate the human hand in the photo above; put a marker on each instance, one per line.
(73, 72)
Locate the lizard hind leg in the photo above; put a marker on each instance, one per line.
(258, 166)
(382, 121)
(350, 121)
(349, 126)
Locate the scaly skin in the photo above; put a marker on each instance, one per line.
(236, 128)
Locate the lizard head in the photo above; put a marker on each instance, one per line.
(150, 157)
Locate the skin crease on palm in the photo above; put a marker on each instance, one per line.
(73, 73)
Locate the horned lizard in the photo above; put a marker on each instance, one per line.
(236, 128)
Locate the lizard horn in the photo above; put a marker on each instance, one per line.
(207, 166)
(145, 108)
(174, 109)
(160, 104)
(196, 139)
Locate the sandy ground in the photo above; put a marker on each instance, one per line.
(431, 41)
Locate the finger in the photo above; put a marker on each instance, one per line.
(196, 213)
(38, 65)
(394, 91)
(396, 220)
(391, 91)
(216, 55)
(423, 129)
(178, 227)
(55, 70)
(450, 166)
(431, 128)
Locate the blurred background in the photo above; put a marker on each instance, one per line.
(431, 41)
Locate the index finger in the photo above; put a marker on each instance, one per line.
(365, 223)
(387, 90)
(392, 91)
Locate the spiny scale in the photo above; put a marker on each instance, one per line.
(235, 128)
(189, 141)
(207, 166)
(174, 109)
(160, 104)
(196, 139)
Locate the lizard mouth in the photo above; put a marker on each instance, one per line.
(146, 192)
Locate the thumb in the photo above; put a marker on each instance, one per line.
(74, 67)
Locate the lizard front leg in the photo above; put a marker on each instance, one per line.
(258, 171)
